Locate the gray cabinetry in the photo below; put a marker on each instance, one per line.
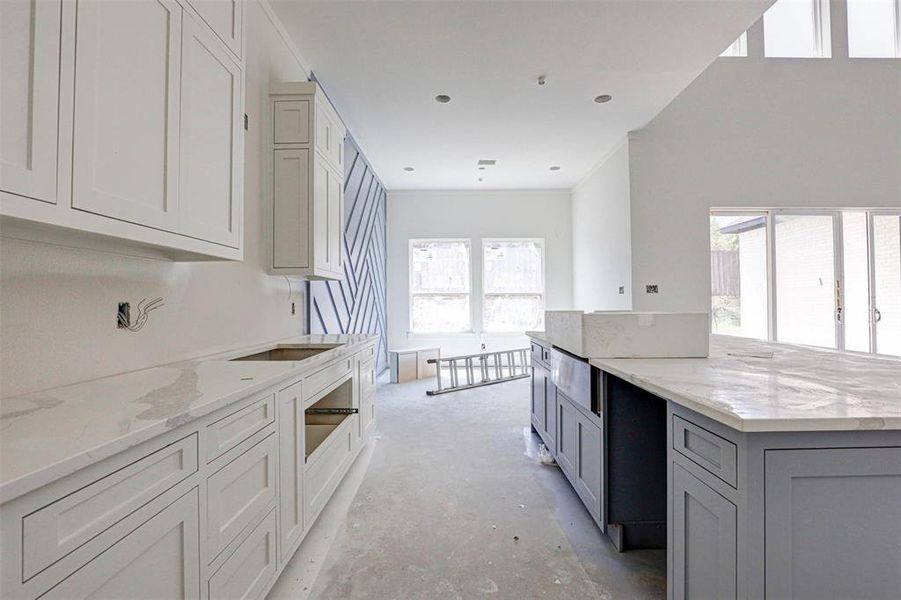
(539, 383)
(833, 523)
(589, 465)
(567, 437)
(704, 545)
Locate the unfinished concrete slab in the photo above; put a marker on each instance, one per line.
(455, 504)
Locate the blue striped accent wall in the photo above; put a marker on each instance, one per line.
(357, 303)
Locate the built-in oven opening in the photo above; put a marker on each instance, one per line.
(324, 416)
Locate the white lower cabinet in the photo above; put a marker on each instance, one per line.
(238, 492)
(245, 575)
(291, 452)
(159, 559)
(210, 510)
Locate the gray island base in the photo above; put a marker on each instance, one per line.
(751, 501)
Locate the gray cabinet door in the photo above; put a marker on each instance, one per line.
(588, 465)
(550, 412)
(833, 523)
(704, 550)
(539, 382)
(567, 437)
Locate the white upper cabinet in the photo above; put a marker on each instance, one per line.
(226, 18)
(308, 183)
(126, 111)
(125, 119)
(29, 97)
(211, 141)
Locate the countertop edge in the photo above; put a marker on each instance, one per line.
(35, 479)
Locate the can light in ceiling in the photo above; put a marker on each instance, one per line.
(555, 168)
(442, 98)
(409, 169)
(603, 98)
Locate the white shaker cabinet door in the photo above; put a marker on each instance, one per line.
(320, 214)
(127, 67)
(159, 559)
(29, 97)
(210, 187)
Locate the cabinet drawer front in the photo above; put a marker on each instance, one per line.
(238, 492)
(56, 530)
(325, 378)
(321, 477)
(424, 369)
(706, 449)
(246, 572)
(228, 432)
(292, 122)
(367, 353)
(536, 352)
(156, 560)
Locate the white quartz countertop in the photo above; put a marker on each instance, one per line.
(47, 435)
(758, 386)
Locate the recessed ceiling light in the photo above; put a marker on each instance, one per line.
(480, 179)
(442, 98)
(555, 168)
(485, 162)
(481, 168)
(603, 98)
(409, 169)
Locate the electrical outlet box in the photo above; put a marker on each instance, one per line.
(651, 288)
(123, 315)
(622, 289)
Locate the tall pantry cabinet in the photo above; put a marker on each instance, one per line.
(124, 120)
(308, 183)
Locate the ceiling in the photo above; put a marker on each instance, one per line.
(383, 63)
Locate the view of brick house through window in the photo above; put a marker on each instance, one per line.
(828, 278)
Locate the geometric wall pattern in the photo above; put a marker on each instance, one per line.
(357, 303)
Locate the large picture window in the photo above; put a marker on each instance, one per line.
(828, 278)
(512, 285)
(440, 286)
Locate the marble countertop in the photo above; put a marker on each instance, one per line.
(47, 435)
(757, 386)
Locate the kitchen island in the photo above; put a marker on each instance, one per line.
(782, 467)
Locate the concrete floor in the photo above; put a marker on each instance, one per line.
(452, 503)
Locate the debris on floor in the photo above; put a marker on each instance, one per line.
(545, 457)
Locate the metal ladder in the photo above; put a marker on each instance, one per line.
(486, 368)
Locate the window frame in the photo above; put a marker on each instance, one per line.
(838, 262)
(897, 27)
(411, 242)
(485, 294)
(738, 48)
(821, 26)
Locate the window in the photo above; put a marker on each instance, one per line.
(738, 274)
(739, 47)
(439, 286)
(512, 285)
(822, 277)
(797, 29)
(874, 28)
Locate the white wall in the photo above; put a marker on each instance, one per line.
(476, 215)
(602, 251)
(758, 132)
(58, 304)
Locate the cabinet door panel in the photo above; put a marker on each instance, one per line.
(159, 559)
(29, 98)
(833, 523)
(550, 412)
(290, 464)
(538, 396)
(704, 552)
(291, 215)
(211, 141)
(320, 214)
(225, 18)
(126, 110)
(589, 465)
(567, 437)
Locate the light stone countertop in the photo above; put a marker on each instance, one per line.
(47, 435)
(756, 386)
